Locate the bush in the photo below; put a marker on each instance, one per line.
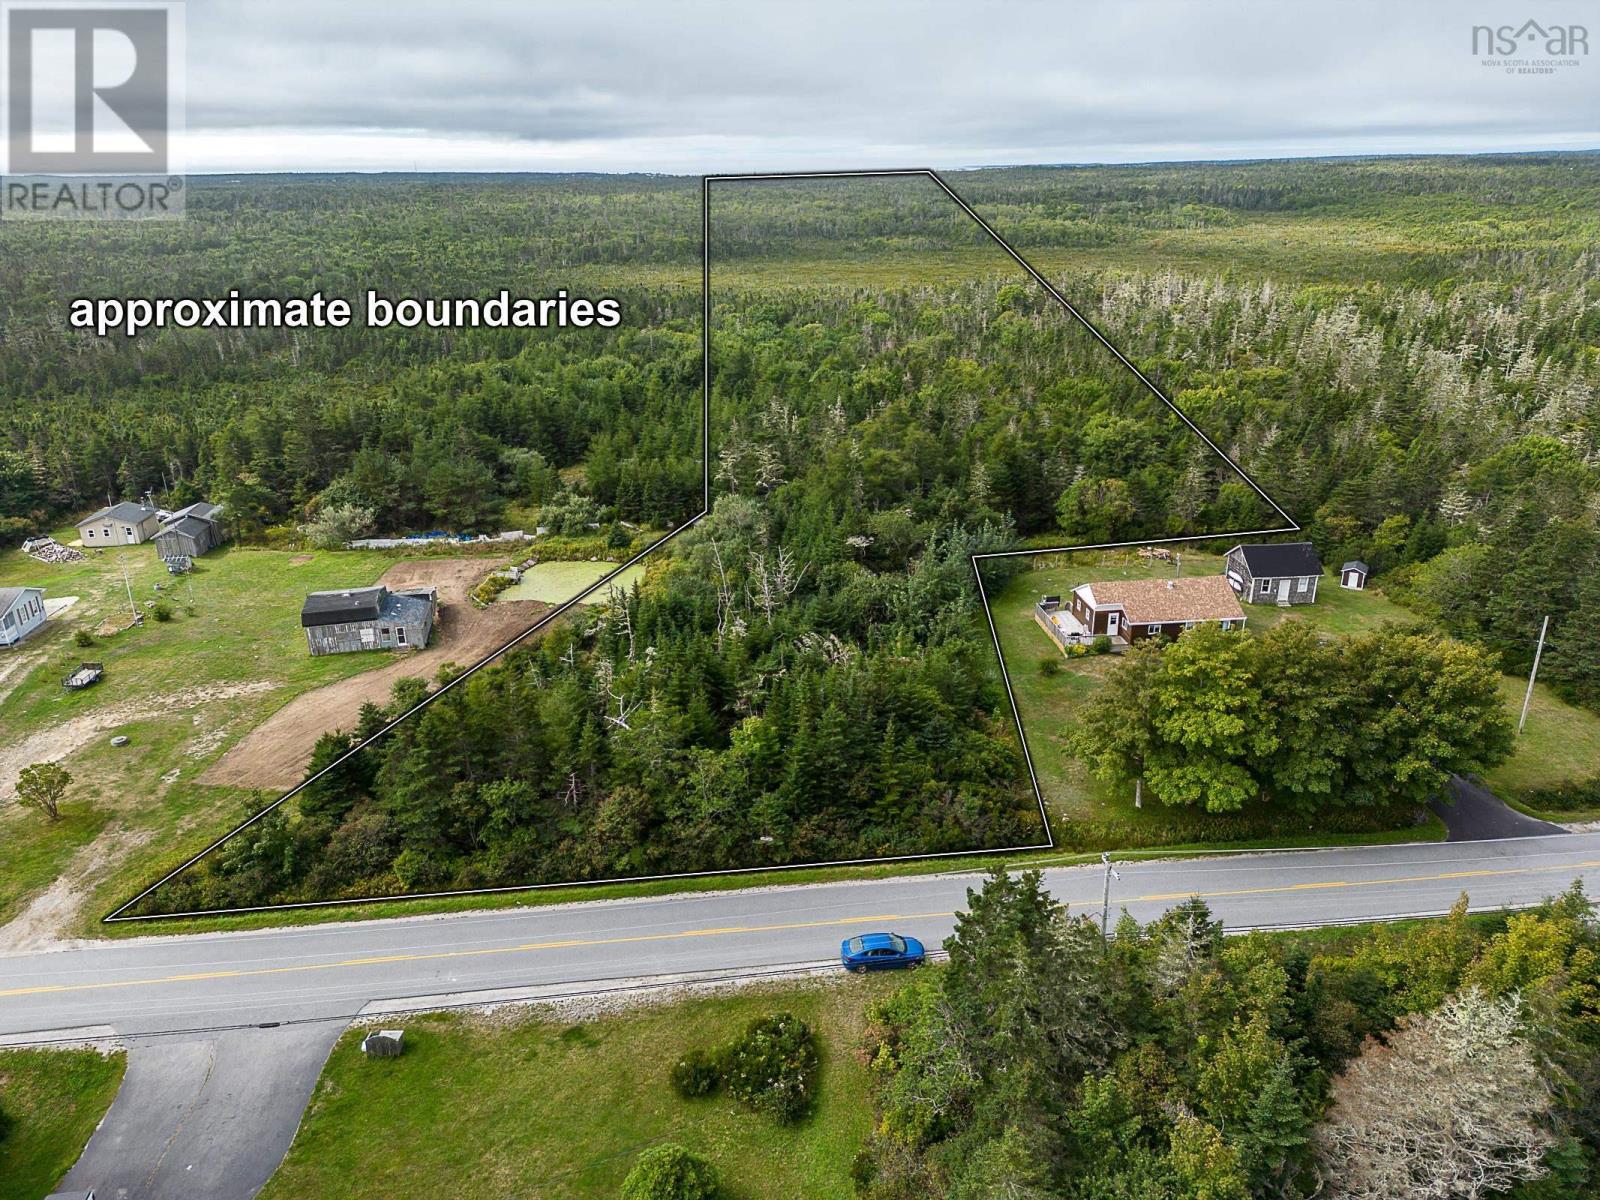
(161, 611)
(1102, 644)
(696, 1074)
(6, 1123)
(1079, 650)
(1050, 664)
(670, 1172)
(1564, 797)
(491, 587)
(83, 638)
(772, 1067)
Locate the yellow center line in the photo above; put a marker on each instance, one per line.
(732, 930)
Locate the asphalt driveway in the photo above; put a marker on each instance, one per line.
(1475, 814)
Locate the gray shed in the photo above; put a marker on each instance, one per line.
(190, 532)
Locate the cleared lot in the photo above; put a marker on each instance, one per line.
(274, 754)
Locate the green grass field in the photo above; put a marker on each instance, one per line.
(481, 1110)
(182, 691)
(56, 1098)
(558, 582)
(1559, 744)
(1562, 742)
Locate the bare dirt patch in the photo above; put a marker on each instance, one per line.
(274, 755)
(59, 741)
(39, 925)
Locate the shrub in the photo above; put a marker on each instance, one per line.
(1564, 797)
(670, 1172)
(1050, 664)
(772, 1067)
(1102, 644)
(1079, 650)
(491, 587)
(161, 611)
(696, 1074)
(6, 1123)
(83, 638)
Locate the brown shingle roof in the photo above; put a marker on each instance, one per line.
(1160, 601)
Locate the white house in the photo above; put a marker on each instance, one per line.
(21, 612)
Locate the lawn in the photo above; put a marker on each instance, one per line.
(558, 582)
(1559, 744)
(56, 1098)
(528, 1106)
(1562, 742)
(182, 691)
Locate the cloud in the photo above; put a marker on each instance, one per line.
(691, 86)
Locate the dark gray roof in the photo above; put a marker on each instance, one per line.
(1274, 560)
(1355, 564)
(10, 595)
(337, 608)
(122, 510)
(193, 526)
(203, 509)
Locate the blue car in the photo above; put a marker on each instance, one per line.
(881, 952)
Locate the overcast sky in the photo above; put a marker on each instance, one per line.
(685, 86)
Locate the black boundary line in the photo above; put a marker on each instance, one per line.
(116, 916)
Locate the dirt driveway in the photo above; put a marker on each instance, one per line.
(274, 754)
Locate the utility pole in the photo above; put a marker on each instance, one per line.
(133, 608)
(1105, 903)
(1533, 674)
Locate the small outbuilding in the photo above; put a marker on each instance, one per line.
(1353, 575)
(370, 618)
(21, 613)
(191, 532)
(125, 523)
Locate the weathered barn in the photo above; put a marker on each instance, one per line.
(370, 618)
(1274, 572)
(190, 532)
(122, 524)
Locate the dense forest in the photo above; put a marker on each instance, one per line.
(1452, 1058)
(1401, 352)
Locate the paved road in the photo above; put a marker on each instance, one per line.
(177, 983)
(211, 1102)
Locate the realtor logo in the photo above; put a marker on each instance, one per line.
(1530, 48)
(91, 89)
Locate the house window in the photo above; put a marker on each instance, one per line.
(88, 533)
(1188, 624)
(400, 636)
(1303, 583)
(1226, 625)
(384, 631)
(127, 531)
(1266, 586)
